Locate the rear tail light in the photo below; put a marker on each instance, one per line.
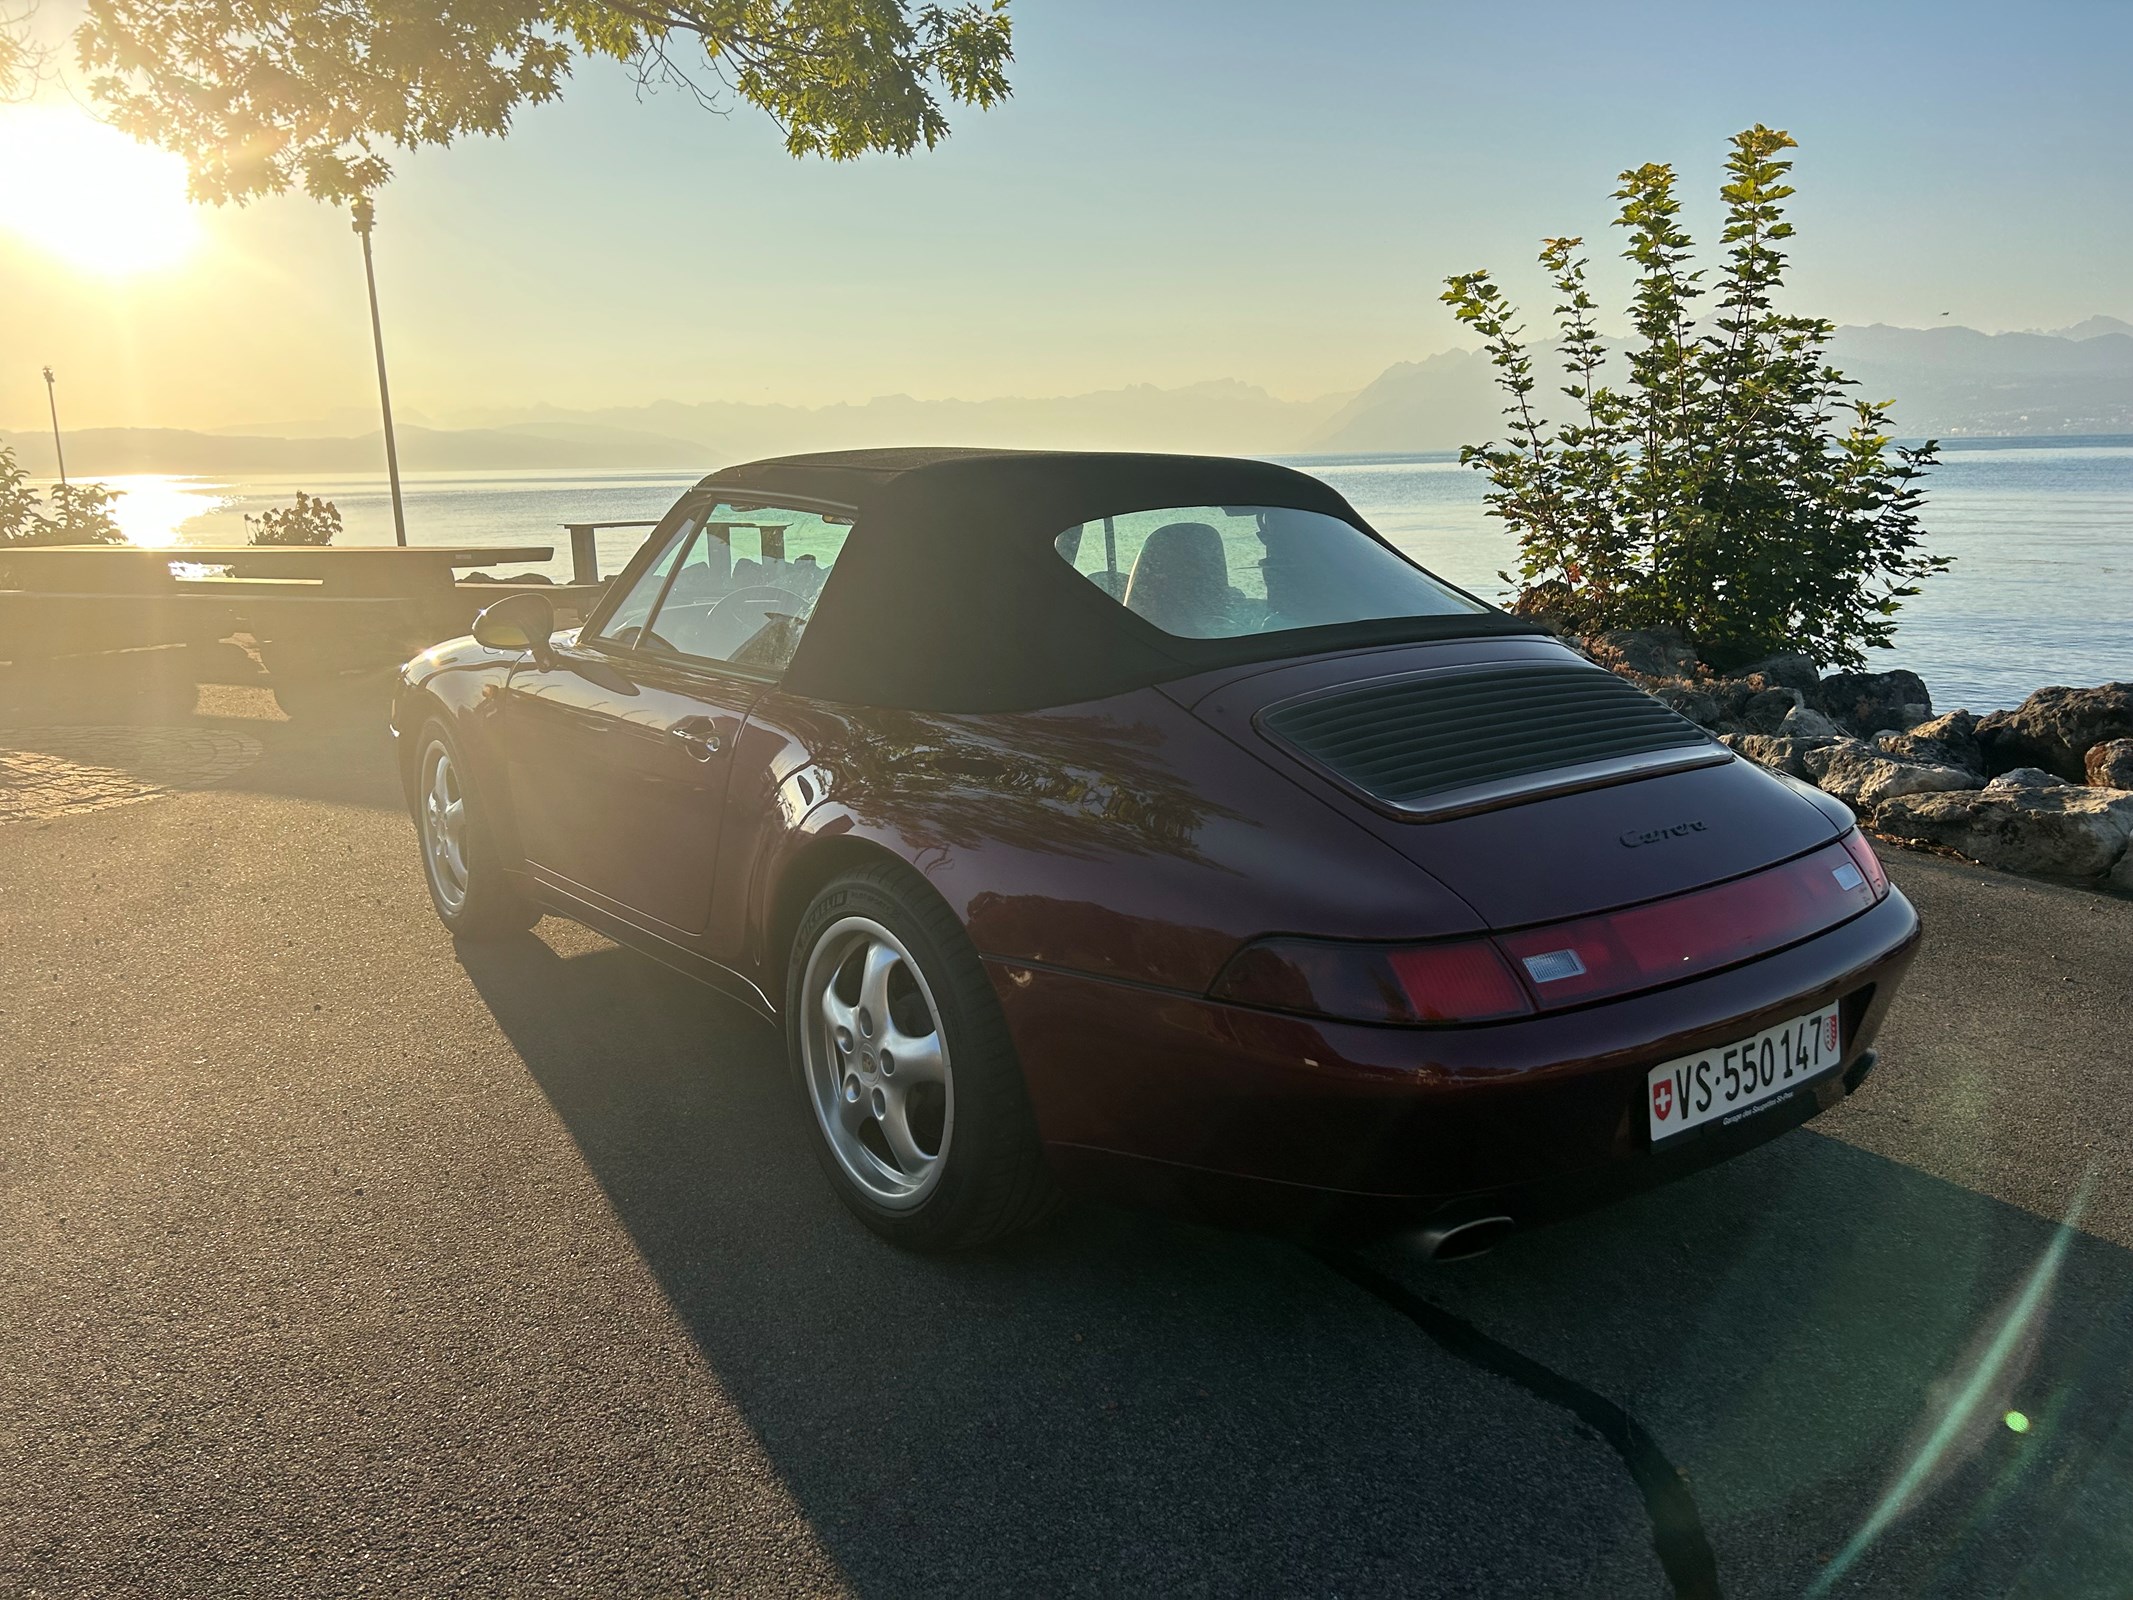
(1569, 963)
(1868, 863)
(1466, 981)
(1565, 963)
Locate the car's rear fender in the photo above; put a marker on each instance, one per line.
(1122, 838)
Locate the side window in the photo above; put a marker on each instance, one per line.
(627, 621)
(746, 584)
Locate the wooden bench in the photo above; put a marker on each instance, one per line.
(66, 599)
(315, 611)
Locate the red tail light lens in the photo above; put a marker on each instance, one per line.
(1466, 981)
(1568, 963)
(1564, 963)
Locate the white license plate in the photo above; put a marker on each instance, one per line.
(1729, 1080)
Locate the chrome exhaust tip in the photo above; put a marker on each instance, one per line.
(1462, 1241)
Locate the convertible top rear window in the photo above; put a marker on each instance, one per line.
(1227, 572)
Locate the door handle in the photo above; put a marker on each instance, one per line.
(697, 735)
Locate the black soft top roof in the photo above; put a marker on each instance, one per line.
(950, 596)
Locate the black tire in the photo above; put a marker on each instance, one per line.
(472, 892)
(991, 1180)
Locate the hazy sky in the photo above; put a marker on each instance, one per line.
(1179, 190)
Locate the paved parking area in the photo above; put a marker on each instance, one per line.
(60, 769)
(335, 1260)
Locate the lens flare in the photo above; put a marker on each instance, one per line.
(1970, 1398)
(89, 195)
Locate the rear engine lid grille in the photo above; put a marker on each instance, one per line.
(1435, 744)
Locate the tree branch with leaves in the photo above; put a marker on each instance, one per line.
(23, 61)
(262, 96)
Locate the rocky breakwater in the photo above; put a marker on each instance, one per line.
(2045, 789)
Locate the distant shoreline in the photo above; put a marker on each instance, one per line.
(94, 453)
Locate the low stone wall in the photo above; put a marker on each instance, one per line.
(2045, 789)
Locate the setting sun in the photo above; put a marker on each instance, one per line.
(88, 194)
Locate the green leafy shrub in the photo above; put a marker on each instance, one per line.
(306, 521)
(80, 513)
(1729, 487)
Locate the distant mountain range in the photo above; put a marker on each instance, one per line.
(101, 452)
(1956, 381)
(1948, 381)
(1220, 415)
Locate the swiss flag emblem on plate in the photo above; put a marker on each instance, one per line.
(1662, 1100)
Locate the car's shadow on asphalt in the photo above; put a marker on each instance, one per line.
(1122, 1403)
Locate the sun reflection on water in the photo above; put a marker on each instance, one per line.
(153, 509)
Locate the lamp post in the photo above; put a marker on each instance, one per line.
(51, 397)
(364, 217)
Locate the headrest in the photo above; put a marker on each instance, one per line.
(1180, 580)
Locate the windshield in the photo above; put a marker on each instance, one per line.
(1223, 572)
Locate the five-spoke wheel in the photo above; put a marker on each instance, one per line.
(444, 827)
(469, 886)
(921, 1117)
(877, 1064)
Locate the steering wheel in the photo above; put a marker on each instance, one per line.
(757, 597)
(735, 624)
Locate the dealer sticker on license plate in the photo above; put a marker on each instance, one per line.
(1729, 1080)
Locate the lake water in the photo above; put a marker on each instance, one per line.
(2041, 591)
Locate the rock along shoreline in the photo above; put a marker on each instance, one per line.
(2045, 789)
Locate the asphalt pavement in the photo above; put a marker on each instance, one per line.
(337, 1260)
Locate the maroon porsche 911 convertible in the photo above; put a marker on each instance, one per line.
(1149, 826)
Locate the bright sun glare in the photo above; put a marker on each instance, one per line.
(90, 195)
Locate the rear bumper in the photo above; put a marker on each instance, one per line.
(1260, 1119)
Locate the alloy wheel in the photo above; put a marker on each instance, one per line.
(444, 828)
(876, 1059)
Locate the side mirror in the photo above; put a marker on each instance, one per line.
(518, 622)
